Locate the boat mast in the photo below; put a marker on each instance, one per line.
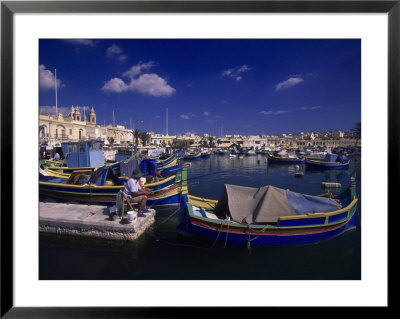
(55, 87)
(167, 123)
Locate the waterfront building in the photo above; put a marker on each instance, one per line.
(118, 134)
(162, 140)
(54, 129)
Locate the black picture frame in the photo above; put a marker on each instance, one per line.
(9, 8)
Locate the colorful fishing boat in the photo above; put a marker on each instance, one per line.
(170, 167)
(101, 187)
(221, 152)
(206, 154)
(192, 156)
(167, 160)
(285, 158)
(251, 153)
(268, 216)
(66, 171)
(330, 161)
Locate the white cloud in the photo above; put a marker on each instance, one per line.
(46, 79)
(85, 42)
(244, 68)
(151, 84)
(307, 108)
(115, 51)
(52, 110)
(115, 85)
(235, 72)
(274, 112)
(206, 113)
(288, 83)
(187, 116)
(145, 83)
(122, 57)
(281, 112)
(138, 68)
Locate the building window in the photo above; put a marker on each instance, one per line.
(42, 131)
(70, 131)
(82, 148)
(69, 148)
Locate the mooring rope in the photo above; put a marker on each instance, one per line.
(219, 232)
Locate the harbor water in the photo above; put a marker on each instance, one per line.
(159, 254)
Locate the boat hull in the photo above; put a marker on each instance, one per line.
(192, 157)
(284, 160)
(167, 160)
(105, 195)
(269, 238)
(322, 164)
(287, 231)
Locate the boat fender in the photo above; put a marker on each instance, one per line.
(334, 185)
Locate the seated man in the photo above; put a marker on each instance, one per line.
(136, 192)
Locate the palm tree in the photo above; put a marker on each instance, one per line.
(136, 135)
(110, 139)
(145, 137)
(210, 141)
(357, 131)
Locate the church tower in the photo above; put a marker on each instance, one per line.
(77, 114)
(92, 116)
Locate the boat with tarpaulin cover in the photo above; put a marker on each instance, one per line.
(268, 216)
(330, 161)
(285, 157)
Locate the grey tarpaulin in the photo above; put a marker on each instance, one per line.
(250, 205)
(126, 169)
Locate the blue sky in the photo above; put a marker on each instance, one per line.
(235, 86)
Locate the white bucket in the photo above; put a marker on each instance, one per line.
(132, 215)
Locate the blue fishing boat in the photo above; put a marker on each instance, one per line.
(251, 153)
(168, 160)
(206, 154)
(221, 152)
(170, 167)
(192, 156)
(330, 161)
(268, 216)
(102, 186)
(83, 153)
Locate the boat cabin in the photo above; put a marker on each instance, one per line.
(83, 153)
